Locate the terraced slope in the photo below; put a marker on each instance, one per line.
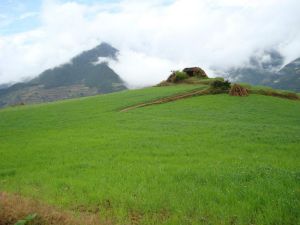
(212, 159)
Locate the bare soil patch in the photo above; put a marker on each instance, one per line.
(14, 208)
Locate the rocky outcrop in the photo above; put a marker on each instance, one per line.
(195, 72)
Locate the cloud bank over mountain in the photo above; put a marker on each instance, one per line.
(154, 37)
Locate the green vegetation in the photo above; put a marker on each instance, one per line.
(213, 159)
(209, 81)
(179, 75)
(223, 85)
(262, 90)
(27, 220)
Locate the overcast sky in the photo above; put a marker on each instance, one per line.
(153, 36)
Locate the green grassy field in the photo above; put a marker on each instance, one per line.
(212, 159)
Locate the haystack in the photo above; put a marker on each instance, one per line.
(238, 90)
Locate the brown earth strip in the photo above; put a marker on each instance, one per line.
(15, 207)
(240, 92)
(169, 99)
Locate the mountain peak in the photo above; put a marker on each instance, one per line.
(90, 56)
(82, 77)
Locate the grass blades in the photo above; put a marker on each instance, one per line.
(213, 159)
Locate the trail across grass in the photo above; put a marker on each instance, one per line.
(211, 159)
(179, 96)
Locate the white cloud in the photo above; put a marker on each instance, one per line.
(101, 60)
(154, 37)
(27, 15)
(140, 69)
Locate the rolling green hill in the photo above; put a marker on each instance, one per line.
(213, 159)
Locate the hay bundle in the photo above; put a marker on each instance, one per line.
(238, 90)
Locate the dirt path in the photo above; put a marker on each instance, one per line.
(207, 91)
(168, 99)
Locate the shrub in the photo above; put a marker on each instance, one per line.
(180, 75)
(220, 85)
(177, 76)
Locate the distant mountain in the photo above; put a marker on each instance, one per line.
(288, 77)
(86, 74)
(4, 86)
(267, 69)
(259, 69)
